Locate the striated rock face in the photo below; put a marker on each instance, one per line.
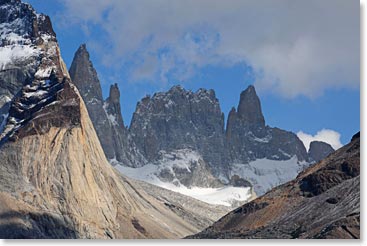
(105, 115)
(180, 119)
(319, 150)
(249, 139)
(55, 181)
(322, 202)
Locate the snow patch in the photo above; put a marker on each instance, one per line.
(15, 53)
(44, 73)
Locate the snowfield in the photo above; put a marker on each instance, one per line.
(185, 160)
(264, 174)
(225, 196)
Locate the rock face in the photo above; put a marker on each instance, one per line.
(105, 115)
(322, 202)
(55, 181)
(319, 150)
(249, 139)
(180, 119)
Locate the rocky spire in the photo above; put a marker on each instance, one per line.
(249, 139)
(105, 115)
(249, 108)
(85, 76)
(112, 104)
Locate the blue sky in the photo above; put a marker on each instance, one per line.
(303, 58)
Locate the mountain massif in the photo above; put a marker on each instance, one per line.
(246, 152)
(55, 181)
(175, 170)
(322, 202)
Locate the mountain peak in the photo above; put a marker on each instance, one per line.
(319, 150)
(249, 108)
(84, 76)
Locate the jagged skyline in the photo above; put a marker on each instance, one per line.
(337, 109)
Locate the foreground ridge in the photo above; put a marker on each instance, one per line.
(322, 202)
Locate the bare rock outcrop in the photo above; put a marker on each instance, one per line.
(319, 150)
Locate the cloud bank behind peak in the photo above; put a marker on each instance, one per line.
(294, 47)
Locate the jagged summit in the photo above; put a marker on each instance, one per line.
(180, 119)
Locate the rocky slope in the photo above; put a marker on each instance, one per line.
(105, 115)
(55, 181)
(322, 202)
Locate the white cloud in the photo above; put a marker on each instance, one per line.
(325, 135)
(296, 47)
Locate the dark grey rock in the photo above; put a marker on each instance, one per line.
(180, 119)
(319, 150)
(249, 139)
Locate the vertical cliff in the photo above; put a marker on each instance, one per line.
(105, 115)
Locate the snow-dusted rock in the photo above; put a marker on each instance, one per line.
(180, 119)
